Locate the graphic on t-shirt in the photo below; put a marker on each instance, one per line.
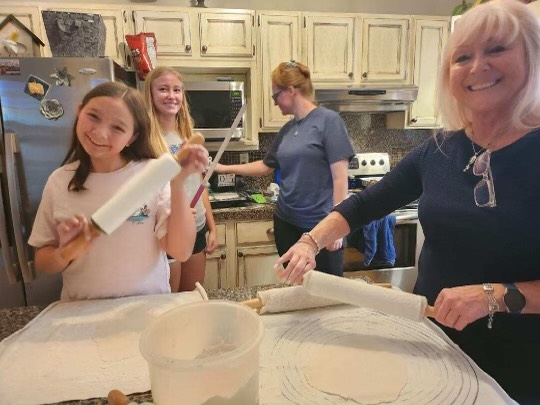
(174, 148)
(140, 215)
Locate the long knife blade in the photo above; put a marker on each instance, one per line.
(218, 156)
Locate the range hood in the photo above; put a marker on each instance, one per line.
(384, 98)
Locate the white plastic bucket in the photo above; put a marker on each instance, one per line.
(204, 353)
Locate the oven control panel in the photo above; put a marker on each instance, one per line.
(369, 164)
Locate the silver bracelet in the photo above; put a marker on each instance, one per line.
(493, 306)
(310, 236)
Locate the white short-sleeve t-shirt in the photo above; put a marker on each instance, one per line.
(130, 260)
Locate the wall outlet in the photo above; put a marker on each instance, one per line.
(244, 158)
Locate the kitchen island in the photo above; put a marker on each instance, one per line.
(13, 319)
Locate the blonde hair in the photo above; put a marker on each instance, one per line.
(480, 23)
(293, 74)
(184, 121)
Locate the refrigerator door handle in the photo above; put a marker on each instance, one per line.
(13, 276)
(11, 171)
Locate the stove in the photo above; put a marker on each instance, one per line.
(368, 168)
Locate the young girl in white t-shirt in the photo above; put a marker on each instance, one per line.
(110, 145)
(171, 126)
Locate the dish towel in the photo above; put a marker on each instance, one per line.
(376, 241)
(82, 349)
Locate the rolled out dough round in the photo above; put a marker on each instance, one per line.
(357, 367)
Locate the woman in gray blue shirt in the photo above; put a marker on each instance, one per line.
(312, 151)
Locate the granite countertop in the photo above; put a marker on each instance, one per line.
(251, 211)
(13, 319)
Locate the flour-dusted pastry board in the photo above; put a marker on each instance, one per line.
(83, 349)
(372, 357)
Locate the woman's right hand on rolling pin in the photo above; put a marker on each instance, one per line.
(300, 258)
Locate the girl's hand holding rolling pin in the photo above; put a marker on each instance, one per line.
(70, 228)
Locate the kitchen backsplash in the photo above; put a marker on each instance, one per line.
(368, 133)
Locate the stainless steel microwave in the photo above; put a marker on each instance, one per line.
(214, 106)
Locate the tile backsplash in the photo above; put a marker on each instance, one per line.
(368, 133)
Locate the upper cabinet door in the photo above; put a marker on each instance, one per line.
(429, 39)
(385, 43)
(30, 17)
(114, 18)
(227, 34)
(171, 28)
(330, 48)
(279, 41)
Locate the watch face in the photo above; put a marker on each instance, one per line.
(514, 300)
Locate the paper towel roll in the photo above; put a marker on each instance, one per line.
(135, 192)
(348, 291)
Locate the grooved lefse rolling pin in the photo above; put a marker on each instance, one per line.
(392, 302)
(130, 197)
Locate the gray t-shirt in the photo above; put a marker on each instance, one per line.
(303, 151)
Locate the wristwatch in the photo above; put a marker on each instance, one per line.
(513, 299)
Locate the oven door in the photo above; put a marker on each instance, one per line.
(408, 240)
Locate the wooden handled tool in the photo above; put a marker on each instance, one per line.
(292, 298)
(131, 196)
(393, 302)
(220, 151)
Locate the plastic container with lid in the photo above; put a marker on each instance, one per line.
(204, 353)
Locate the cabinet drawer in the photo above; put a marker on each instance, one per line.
(255, 232)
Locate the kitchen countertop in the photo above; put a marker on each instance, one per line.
(252, 211)
(13, 319)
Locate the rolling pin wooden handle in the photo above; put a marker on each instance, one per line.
(70, 250)
(254, 303)
(117, 397)
(429, 312)
(196, 139)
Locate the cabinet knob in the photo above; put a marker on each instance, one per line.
(350, 75)
(270, 231)
(364, 75)
(223, 256)
(240, 254)
(188, 48)
(414, 120)
(204, 48)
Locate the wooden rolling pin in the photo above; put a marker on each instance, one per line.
(393, 302)
(130, 196)
(292, 298)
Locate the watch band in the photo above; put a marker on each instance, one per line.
(513, 299)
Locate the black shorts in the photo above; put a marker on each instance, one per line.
(200, 241)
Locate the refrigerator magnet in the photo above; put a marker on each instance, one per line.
(36, 87)
(62, 77)
(51, 109)
(87, 71)
(10, 67)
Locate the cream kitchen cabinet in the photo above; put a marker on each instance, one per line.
(216, 263)
(329, 44)
(227, 33)
(185, 32)
(256, 253)
(278, 41)
(384, 50)
(429, 37)
(172, 29)
(116, 24)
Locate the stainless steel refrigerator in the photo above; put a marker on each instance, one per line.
(38, 101)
